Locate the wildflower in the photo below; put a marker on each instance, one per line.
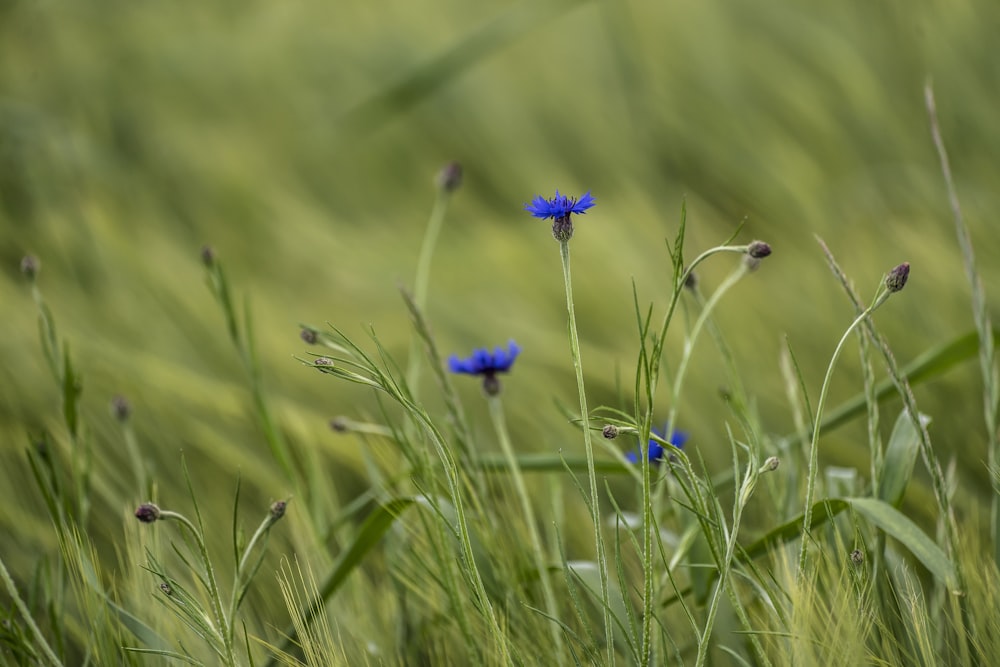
(121, 408)
(340, 424)
(450, 177)
(656, 451)
(147, 513)
(278, 509)
(208, 256)
(30, 266)
(896, 279)
(487, 364)
(560, 208)
(770, 465)
(756, 251)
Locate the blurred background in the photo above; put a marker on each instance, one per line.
(301, 140)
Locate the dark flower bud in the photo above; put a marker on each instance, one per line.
(278, 509)
(610, 432)
(340, 424)
(166, 588)
(691, 281)
(758, 249)
(121, 408)
(896, 279)
(323, 361)
(207, 256)
(857, 557)
(30, 266)
(309, 336)
(147, 513)
(450, 178)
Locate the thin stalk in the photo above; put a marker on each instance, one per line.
(259, 534)
(22, 608)
(422, 279)
(500, 425)
(214, 594)
(746, 489)
(595, 512)
(880, 298)
(686, 354)
(980, 313)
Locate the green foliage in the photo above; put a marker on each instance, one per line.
(298, 141)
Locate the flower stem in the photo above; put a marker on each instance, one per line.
(215, 596)
(422, 279)
(595, 511)
(880, 298)
(500, 425)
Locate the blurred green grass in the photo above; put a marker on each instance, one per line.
(301, 141)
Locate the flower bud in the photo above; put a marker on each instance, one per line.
(450, 177)
(147, 513)
(30, 266)
(896, 279)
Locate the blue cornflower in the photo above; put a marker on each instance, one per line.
(487, 364)
(658, 452)
(560, 208)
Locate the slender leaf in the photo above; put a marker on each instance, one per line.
(900, 458)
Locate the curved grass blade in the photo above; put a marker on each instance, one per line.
(901, 528)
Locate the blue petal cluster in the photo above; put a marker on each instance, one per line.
(484, 362)
(657, 452)
(559, 206)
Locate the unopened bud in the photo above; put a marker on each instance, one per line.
(610, 432)
(450, 177)
(147, 513)
(30, 266)
(896, 279)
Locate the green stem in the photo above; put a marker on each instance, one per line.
(214, 594)
(422, 279)
(47, 651)
(746, 489)
(703, 316)
(500, 425)
(880, 298)
(595, 511)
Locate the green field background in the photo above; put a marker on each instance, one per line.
(301, 140)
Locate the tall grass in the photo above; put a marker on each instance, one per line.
(397, 516)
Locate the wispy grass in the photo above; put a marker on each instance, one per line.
(431, 527)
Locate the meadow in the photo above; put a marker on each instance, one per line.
(295, 372)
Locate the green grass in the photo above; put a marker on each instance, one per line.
(301, 144)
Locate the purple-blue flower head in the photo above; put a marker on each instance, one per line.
(559, 206)
(487, 364)
(656, 451)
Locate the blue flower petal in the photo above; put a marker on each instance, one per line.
(484, 362)
(559, 206)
